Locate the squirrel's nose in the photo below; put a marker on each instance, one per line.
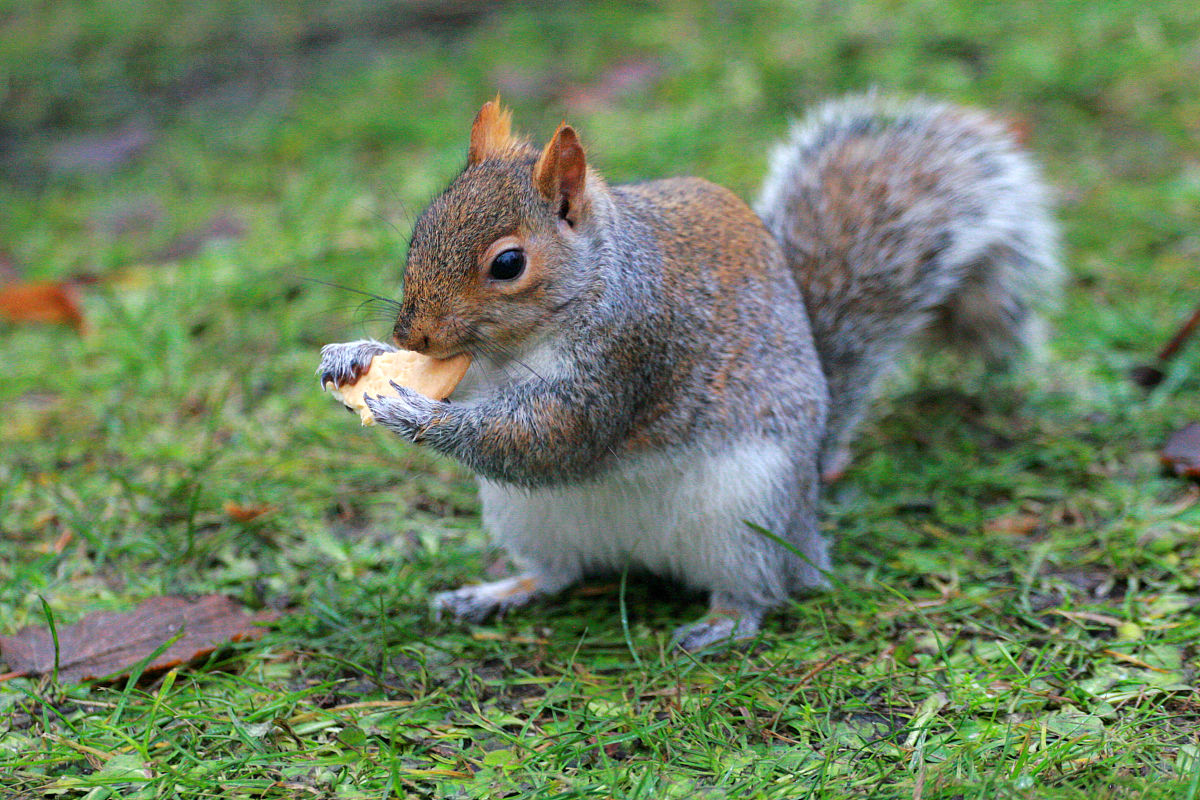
(411, 337)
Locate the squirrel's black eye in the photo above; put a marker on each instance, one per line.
(508, 265)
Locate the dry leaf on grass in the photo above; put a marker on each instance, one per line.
(109, 643)
(245, 513)
(1181, 454)
(1018, 523)
(52, 301)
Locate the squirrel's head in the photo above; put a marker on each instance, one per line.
(485, 263)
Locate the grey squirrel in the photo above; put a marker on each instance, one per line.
(661, 373)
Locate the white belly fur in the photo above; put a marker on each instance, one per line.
(680, 514)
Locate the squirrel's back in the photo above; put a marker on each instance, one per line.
(897, 217)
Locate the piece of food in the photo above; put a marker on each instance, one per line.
(433, 377)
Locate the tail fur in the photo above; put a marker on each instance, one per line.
(901, 217)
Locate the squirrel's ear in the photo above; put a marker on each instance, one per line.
(491, 133)
(561, 172)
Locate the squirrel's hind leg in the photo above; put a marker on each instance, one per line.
(478, 602)
(853, 374)
(728, 619)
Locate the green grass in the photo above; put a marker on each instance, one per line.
(1017, 581)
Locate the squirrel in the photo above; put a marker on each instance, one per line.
(661, 373)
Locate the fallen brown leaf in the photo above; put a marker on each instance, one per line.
(1016, 524)
(241, 513)
(109, 643)
(1181, 453)
(50, 301)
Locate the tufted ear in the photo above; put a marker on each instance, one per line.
(491, 133)
(561, 172)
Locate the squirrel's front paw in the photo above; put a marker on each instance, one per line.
(409, 414)
(344, 363)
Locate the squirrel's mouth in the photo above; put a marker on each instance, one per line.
(434, 348)
(437, 340)
(428, 348)
(447, 353)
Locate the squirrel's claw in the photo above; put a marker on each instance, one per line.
(345, 362)
(409, 414)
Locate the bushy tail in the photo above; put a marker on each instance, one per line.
(899, 217)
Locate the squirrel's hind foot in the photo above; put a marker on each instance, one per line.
(477, 603)
(727, 620)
